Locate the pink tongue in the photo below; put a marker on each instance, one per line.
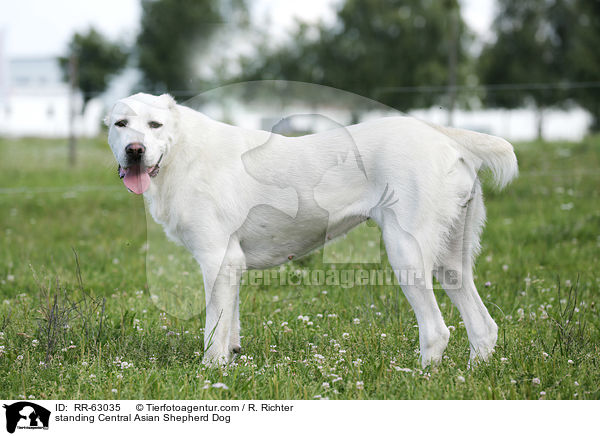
(136, 179)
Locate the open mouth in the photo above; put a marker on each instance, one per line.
(137, 176)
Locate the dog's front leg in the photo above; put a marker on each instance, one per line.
(221, 306)
(234, 335)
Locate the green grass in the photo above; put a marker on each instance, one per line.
(540, 251)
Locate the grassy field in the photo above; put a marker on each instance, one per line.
(107, 338)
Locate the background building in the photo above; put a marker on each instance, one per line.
(35, 101)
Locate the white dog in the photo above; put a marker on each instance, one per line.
(242, 199)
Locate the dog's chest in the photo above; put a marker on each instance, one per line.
(162, 210)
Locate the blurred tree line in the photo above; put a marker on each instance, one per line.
(405, 53)
(548, 48)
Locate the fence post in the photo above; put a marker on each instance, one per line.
(452, 58)
(73, 72)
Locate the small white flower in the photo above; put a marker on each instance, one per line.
(451, 328)
(325, 385)
(504, 267)
(544, 354)
(503, 359)
(542, 393)
(397, 368)
(383, 336)
(576, 383)
(536, 381)
(35, 342)
(513, 381)
(360, 385)
(114, 391)
(92, 376)
(460, 378)
(356, 321)
(31, 397)
(345, 335)
(84, 364)
(220, 385)
(20, 357)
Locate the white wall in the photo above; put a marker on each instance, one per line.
(36, 114)
(517, 124)
(514, 125)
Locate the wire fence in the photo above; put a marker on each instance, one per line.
(423, 89)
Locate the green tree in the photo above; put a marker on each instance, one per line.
(175, 37)
(530, 50)
(96, 59)
(583, 56)
(381, 50)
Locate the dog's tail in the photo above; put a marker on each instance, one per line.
(495, 153)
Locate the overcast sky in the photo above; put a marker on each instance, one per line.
(43, 28)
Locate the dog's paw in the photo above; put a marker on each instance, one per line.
(483, 347)
(214, 357)
(215, 361)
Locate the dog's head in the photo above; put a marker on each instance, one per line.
(141, 132)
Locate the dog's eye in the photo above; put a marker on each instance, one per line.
(121, 123)
(154, 124)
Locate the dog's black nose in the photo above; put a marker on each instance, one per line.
(135, 150)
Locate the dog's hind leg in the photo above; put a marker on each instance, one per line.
(413, 272)
(455, 274)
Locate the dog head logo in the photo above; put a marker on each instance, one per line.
(26, 415)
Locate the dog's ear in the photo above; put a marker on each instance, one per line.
(170, 101)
